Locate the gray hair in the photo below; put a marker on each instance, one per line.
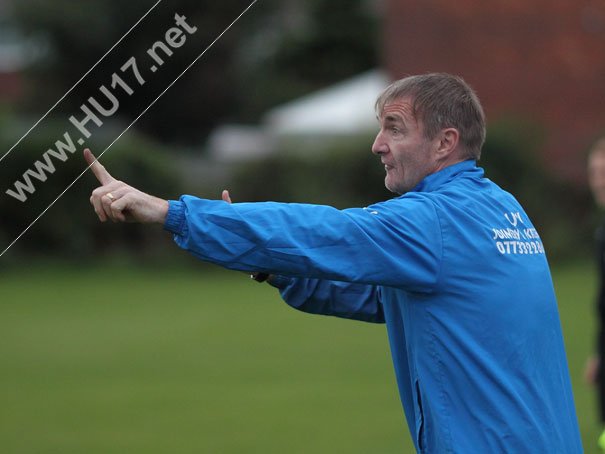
(441, 101)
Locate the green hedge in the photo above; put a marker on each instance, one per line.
(348, 174)
(70, 229)
(343, 174)
(562, 211)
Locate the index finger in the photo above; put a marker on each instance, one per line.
(97, 168)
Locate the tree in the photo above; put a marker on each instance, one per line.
(261, 60)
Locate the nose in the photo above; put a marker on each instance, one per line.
(379, 146)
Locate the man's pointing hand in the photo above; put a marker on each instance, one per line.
(120, 202)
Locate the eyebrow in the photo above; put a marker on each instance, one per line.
(394, 118)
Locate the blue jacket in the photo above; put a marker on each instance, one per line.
(458, 273)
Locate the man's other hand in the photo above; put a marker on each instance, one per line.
(225, 196)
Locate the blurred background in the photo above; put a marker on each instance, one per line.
(113, 340)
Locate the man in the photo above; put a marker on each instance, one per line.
(453, 266)
(594, 367)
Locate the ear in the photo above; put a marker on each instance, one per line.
(448, 143)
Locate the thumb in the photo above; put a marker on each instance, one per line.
(97, 168)
(225, 196)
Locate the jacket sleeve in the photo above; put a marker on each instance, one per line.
(395, 243)
(340, 299)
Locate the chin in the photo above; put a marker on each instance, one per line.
(392, 188)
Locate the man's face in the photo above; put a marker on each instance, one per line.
(596, 176)
(406, 154)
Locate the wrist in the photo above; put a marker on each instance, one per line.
(161, 211)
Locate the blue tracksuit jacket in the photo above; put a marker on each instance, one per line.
(458, 273)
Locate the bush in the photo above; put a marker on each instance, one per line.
(560, 210)
(346, 174)
(343, 174)
(70, 229)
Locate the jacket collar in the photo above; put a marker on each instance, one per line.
(436, 180)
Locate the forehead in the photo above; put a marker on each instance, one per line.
(398, 109)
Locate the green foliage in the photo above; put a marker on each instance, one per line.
(70, 227)
(79, 34)
(560, 210)
(345, 173)
(305, 46)
(342, 174)
(277, 51)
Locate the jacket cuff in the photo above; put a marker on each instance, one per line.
(175, 219)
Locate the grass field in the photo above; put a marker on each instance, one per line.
(117, 360)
